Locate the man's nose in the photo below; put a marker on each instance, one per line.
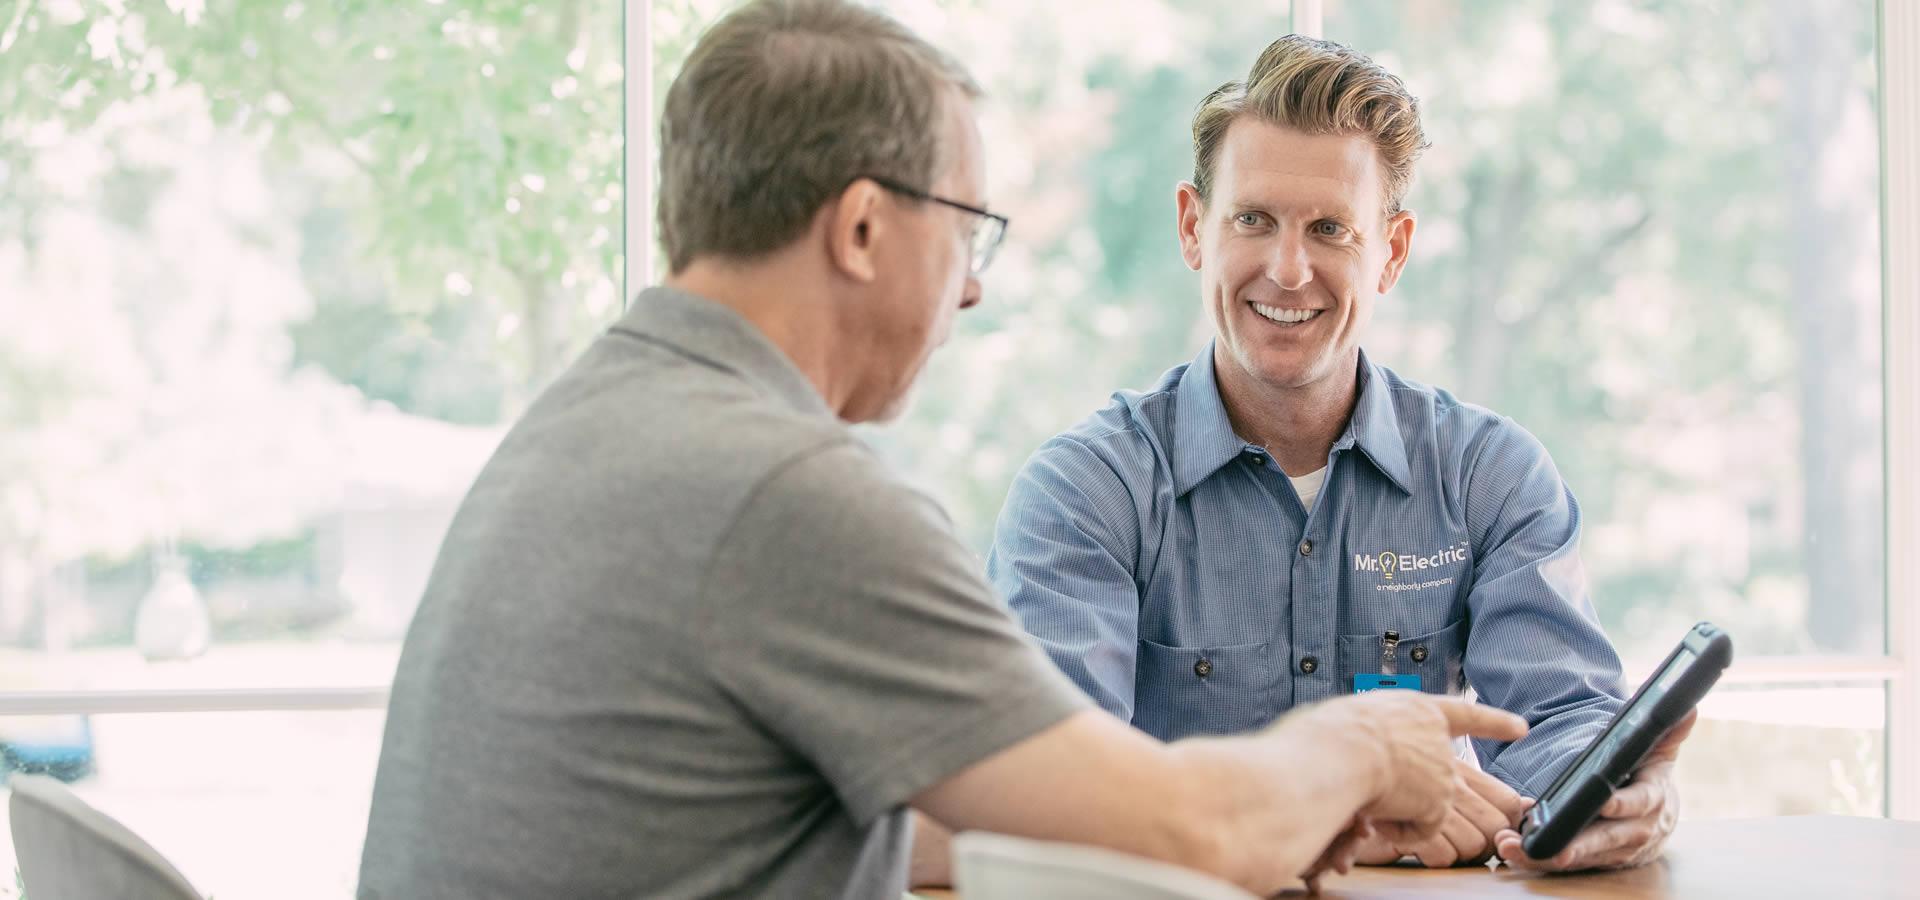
(1288, 265)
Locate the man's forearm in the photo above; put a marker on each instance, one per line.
(1256, 809)
(1281, 796)
(931, 864)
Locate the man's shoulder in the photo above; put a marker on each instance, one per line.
(1488, 453)
(628, 447)
(1122, 442)
(842, 474)
(1420, 404)
(1426, 410)
(649, 407)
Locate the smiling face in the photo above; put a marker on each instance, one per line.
(1293, 248)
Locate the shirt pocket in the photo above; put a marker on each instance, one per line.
(1438, 657)
(1182, 691)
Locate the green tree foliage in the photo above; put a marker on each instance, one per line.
(1650, 236)
(1647, 233)
(295, 212)
(462, 162)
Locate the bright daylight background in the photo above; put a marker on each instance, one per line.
(276, 275)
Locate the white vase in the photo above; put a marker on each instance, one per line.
(172, 622)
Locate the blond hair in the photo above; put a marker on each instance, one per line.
(1317, 87)
(780, 106)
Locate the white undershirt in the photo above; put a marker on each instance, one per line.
(1308, 486)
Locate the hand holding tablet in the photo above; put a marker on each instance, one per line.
(1643, 733)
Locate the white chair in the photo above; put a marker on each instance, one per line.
(71, 851)
(997, 867)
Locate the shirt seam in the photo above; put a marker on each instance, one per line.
(1139, 533)
(1506, 499)
(710, 642)
(1111, 431)
(1434, 399)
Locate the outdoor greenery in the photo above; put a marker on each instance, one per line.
(1648, 233)
(237, 238)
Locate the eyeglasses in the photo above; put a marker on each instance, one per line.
(988, 228)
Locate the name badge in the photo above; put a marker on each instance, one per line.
(1365, 683)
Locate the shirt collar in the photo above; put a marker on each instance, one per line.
(1375, 427)
(1204, 440)
(719, 337)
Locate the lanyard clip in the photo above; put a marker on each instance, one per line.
(1388, 642)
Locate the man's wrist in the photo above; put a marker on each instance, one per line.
(1348, 747)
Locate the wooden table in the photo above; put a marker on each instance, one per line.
(1835, 857)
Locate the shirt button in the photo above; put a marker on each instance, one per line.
(1256, 457)
(1306, 548)
(1203, 668)
(1419, 654)
(1308, 664)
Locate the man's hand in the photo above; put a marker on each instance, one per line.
(1341, 855)
(1415, 794)
(1633, 826)
(1483, 806)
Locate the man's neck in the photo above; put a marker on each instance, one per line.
(1297, 425)
(772, 295)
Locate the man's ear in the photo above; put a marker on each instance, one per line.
(854, 229)
(1399, 245)
(1187, 209)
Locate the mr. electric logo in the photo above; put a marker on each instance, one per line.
(1401, 571)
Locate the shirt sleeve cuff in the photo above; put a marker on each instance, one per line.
(924, 760)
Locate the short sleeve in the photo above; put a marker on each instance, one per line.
(849, 621)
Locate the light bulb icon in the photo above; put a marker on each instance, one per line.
(1388, 560)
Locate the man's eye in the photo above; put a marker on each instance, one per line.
(1248, 219)
(1329, 229)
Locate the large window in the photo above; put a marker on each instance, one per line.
(1651, 235)
(277, 274)
(1649, 232)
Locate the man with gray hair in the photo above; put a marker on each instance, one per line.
(687, 637)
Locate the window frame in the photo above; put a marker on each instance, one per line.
(1899, 63)
(1898, 669)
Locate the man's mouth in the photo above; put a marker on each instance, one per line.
(1286, 317)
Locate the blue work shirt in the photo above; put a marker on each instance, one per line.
(1169, 568)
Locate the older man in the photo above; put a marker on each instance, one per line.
(1284, 520)
(687, 637)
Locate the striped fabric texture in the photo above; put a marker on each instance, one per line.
(1169, 568)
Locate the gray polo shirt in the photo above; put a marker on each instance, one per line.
(687, 637)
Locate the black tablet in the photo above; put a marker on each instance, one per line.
(1577, 795)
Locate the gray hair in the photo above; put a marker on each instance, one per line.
(781, 105)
